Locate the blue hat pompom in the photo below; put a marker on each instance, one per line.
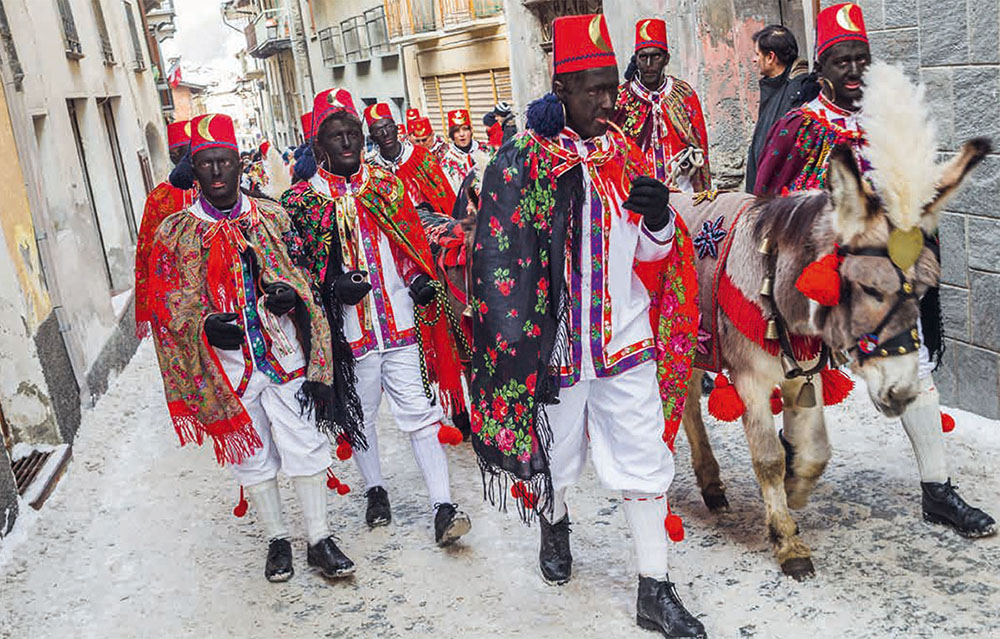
(546, 115)
(182, 177)
(299, 150)
(305, 166)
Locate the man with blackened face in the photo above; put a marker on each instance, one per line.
(162, 202)
(574, 239)
(418, 168)
(662, 114)
(365, 250)
(795, 157)
(244, 351)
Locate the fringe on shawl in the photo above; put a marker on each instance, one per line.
(233, 440)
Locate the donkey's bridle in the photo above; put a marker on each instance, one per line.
(907, 341)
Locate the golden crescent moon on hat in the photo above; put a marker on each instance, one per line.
(642, 29)
(187, 128)
(844, 18)
(203, 130)
(596, 36)
(332, 99)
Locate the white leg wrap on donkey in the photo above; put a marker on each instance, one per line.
(922, 423)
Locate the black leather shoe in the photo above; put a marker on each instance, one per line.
(659, 608)
(278, 567)
(554, 556)
(378, 513)
(329, 560)
(450, 523)
(942, 505)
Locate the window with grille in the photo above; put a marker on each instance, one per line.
(139, 62)
(71, 39)
(378, 31)
(355, 36)
(13, 62)
(332, 46)
(477, 92)
(102, 32)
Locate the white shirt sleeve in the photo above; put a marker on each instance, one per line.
(655, 245)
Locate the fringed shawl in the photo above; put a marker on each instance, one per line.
(527, 229)
(184, 289)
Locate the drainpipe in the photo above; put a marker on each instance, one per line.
(300, 52)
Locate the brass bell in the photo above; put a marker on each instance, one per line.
(772, 329)
(765, 246)
(807, 395)
(467, 312)
(839, 358)
(790, 366)
(767, 286)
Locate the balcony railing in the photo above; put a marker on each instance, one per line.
(269, 33)
(331, 44)
(407, 18)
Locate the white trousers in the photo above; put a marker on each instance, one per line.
(624, 420)
(397, 372)
(292, 443)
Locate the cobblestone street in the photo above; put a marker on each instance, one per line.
(139, 541)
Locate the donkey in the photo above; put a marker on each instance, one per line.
(877, 297)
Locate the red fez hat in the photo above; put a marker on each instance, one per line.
(837, 24)
(457, 118)
(179, 133)
(581, 42)
(212, 130)
(421, 127)
(412, 114)
(401, 129)
(651, 32)
(307, 124)
(329, 102)
(376, 112)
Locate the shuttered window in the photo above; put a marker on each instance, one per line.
(477, 92)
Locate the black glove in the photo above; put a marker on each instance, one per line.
(350, 288)
(421, 290)
(222, 333)
(651, 199)
(280, 298)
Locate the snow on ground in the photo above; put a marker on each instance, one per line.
(139, 541)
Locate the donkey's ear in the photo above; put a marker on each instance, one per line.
(851, 200)
(953, 173)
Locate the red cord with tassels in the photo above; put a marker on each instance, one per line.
(521, 493)
(241, 507)
(674, 526)
(335, 484)
(344, 450)
(724, 402)
(836, 386)
(449, 435)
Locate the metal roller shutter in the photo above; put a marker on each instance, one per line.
(477, 92)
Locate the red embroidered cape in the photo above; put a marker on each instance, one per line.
(426, 182)
(161, 202)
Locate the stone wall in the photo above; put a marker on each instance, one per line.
(954, 48)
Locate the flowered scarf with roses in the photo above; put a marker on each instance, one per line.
(527, 228)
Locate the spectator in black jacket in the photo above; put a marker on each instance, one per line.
(785, 84)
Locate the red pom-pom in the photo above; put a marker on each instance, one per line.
(517, 490)
(675, 527)
(343, 489)
(449, 435)
(529, 500)
(724, 403)
(331, 480)
(820, 280)
(836, 386)
(947, 422)
(241, 507)
(777, 403)
(344, 451)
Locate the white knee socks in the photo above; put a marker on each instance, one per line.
(433, 463)
(646, 513)
(313, 494)
(266, 501)
(922, 423)
(368, 462)
(559, 509)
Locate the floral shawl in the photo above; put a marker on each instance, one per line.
(192, 269)
(162, 202)
(383, 201)
(527, 229)
(422, 175)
